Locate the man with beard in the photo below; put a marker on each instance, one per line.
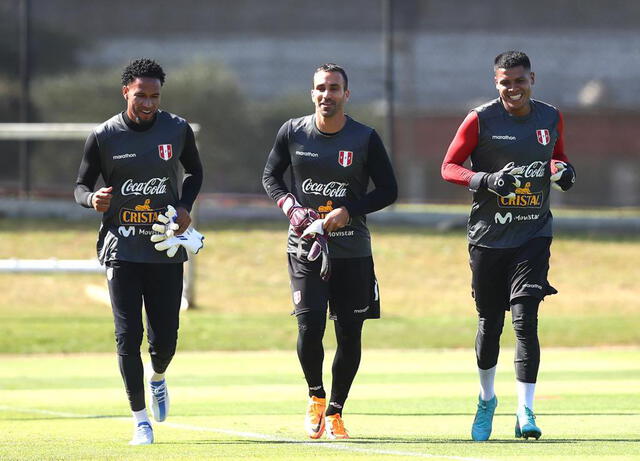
(332, 157)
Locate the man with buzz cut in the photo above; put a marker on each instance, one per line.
(516, 148)
(331, 158)
(139, 152)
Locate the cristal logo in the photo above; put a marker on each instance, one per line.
(331, 189)
(154, 186)
(535, 170)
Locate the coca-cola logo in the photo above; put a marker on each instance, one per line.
(154, 186)
(331, 189)
(535, 169)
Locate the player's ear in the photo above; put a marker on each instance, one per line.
(125, 91)
(347, 93)
(532, 75)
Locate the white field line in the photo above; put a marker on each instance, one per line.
(254, 435)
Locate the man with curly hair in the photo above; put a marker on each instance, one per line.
(138, 152)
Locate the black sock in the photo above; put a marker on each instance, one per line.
(132, 373)
(345, 364)
(311, 327)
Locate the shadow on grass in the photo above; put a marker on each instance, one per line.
(395, 440)
(497, 414)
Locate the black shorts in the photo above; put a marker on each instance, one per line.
(500, 275)
(351, 292)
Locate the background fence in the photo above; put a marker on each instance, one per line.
(241, 68)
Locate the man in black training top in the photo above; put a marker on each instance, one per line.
(516, 148)
(331, 158)
(138, 153)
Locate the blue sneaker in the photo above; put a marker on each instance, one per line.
(159, 400)
(526, 424)
(142, 434)
(482, 424)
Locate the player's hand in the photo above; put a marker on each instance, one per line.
(299, 217)
(183, 220)
(336, 219)
(563, 176)
(505, 181)
(101, 199)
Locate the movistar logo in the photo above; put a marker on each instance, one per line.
(507, 218)
(126, 231)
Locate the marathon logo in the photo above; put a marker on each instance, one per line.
(524, 198)
(140, 215)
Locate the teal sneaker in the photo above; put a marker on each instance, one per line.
(482, 424)
(526, 425)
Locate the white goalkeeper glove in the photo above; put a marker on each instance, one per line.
(191, 240)
(167, 226)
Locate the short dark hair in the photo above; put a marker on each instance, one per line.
(511, 59)
(331, 67)
(142, 68)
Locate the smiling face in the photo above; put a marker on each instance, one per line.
(514, 87)
(329, 94)
(143, 98)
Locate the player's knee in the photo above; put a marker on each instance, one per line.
(163, 350)
(349, 333)
(525, 326)
(524, 317)
(128, 343)
(490, 327)
(311, 324)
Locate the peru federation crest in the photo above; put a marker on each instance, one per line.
(345, 158)
(164, 151)
(543, 137)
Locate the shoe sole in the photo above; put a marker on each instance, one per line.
(335, 437)
(526, 434)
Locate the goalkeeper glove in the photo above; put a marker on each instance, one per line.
(319, 247)
(502, 183)
(563, 176)
(299, 217)
(191, 240)
(167, 226)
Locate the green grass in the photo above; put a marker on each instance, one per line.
(244, 300)
(249, 405)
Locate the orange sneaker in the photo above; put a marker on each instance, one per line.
(335, 427)
(314, 419)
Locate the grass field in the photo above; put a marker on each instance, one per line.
(249, 405)
(411, 399)
(244, 300)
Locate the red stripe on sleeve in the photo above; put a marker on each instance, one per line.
(558, 149)
(464, 142)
